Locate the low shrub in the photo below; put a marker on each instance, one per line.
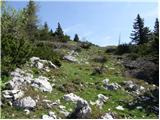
(100, 59)
(85, 45)
(123, 48)
(47, 53)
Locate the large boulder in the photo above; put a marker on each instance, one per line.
(82, 111)
(42, 83)
(26, 102)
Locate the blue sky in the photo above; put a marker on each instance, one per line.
(98, 22)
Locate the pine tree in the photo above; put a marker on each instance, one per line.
(156, 28)
(155, 43)
(44, 33)
(31, 26)
(140, 33)
(76, 38)
(59, 32)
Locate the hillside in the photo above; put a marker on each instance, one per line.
(50, 73)
(75, 90)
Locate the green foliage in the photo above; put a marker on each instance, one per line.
(66, 38)
(45, 52)
(85, 45)
(44, 33)
(141, 34)
(59, 34)
(123, 48)
(31, 20)
(16, 48)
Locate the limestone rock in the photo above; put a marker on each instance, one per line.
(71, 97)
(101, 100)
(42, 83)
(26, 102)
(107, 116)
(70, 58)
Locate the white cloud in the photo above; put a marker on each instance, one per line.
(72, 28)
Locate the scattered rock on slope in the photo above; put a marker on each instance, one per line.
(110, 86)
(70, 58)
(71, 97)
(42, 83)
(132, 87)
(107, 116)
(82, 111)
(42, 64)
(26, 102)
(100, 101)
(15, 94)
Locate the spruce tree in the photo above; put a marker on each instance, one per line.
(156, 28)
(44, 34)
(31, 26)
(140, 33)
(59, 33)
(155, 43)
(76, 38)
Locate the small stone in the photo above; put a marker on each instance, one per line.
(107, 116)
(139, 107)
(119, 108)
(52, 114)
(27, 111)
(47, 117)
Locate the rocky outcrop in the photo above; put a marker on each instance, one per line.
(142, 69)
(42, 64)
(20, 78)
(12, 94)
(130, 86)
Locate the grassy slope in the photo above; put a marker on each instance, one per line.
(70, 73)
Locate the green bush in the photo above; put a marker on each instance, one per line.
(45, 52)
(85, 45)
(133, 56)
(15, 53)
(123, 48)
